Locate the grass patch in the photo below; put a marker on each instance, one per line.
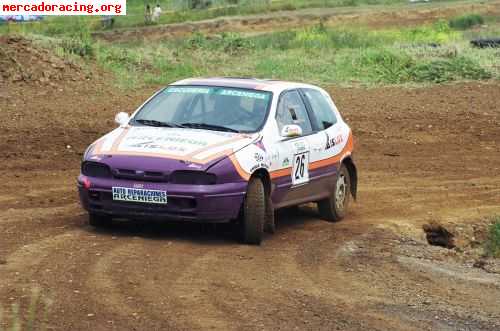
(445, 70)
(467, 21)
(492, 247)
(432, 53)
(34, 318)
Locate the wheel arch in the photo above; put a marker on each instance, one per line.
(265, 177)
(353, 175)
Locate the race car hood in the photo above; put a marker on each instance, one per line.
(149, 148)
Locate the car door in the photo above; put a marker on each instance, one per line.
(325, 143)
(291, 175)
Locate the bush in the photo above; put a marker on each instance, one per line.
(229, 42)
(444, 70)
(386, 65)
(232, 43)
(465, 22)
(78, 46)
(315, 37)
(493, 242)
(78, 41)
(439, 32)
(197, 40)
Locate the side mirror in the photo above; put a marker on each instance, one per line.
(291, 130)
(122, 119)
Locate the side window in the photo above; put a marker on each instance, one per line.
(321, 108)
(291, 110)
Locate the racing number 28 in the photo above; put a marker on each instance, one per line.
(300, 173)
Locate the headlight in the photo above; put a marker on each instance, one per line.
(190, 177)
(96, 169)
(88, 151)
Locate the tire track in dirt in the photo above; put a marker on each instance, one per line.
(288, 290)
(43, 214)
(109, 276)
(25, 259)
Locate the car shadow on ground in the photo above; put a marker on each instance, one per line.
(204, 233)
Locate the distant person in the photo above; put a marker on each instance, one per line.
(156, 13)
(147, 14)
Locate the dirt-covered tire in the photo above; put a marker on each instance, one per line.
(334, 208)
(269, 225)
(99, 221)
(254, 213)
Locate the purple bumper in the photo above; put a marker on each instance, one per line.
(209, 203)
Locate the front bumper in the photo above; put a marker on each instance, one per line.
(204, 203)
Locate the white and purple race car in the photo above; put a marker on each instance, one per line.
(222, 150)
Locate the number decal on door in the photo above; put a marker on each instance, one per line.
(300, 169)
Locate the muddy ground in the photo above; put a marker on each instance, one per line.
(424, 154)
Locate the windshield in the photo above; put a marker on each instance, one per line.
(206, 107)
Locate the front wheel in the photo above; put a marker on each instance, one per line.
(254, 213)
(334, 207)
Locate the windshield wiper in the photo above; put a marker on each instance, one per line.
(208, 127)
(158, 123)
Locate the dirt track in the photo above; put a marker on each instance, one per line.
(423, 154)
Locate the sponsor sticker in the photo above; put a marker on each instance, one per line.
(332, 142)
(219, 91)
(139, 195)
(246, 94)
(197, 90)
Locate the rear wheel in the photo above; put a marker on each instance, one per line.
(254, 213)
(334, 208)
(99, 221)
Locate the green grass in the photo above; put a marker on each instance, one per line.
(466, 21)
(34, 319)
(425, 54)
(492, 247)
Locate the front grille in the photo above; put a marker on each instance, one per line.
(96, 169)
(147, 176)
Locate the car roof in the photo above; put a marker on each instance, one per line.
(244, 82)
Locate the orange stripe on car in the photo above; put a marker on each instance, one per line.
(281, 172)
(118, 140)
(243, 174)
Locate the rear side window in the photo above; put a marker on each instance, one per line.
(321, 107)
(291, 110)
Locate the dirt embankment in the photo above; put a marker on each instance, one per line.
(23, 62)
(378, 16)
(424, 154)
